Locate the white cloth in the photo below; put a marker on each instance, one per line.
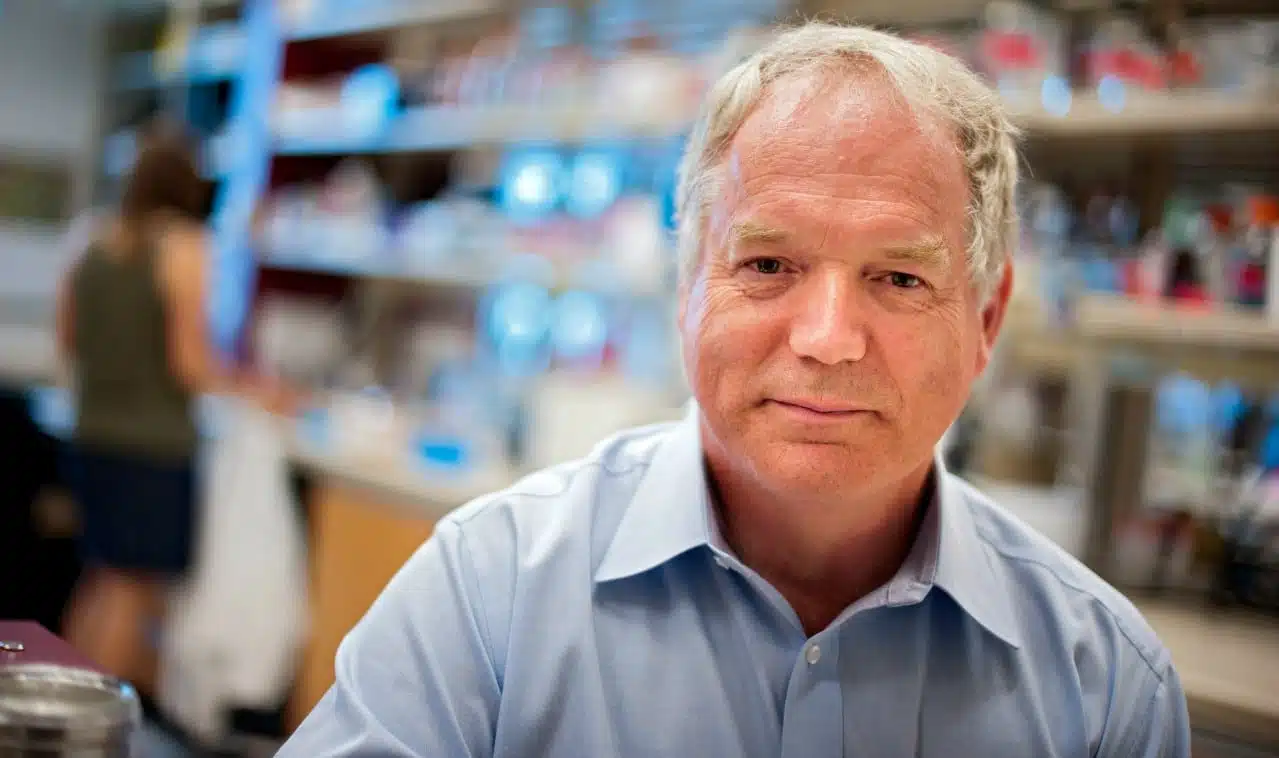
(236, 626)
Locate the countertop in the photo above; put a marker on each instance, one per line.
(1228, 662)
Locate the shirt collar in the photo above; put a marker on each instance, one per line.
(965, 569)
(670, 514)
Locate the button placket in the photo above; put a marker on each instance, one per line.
(812, 722)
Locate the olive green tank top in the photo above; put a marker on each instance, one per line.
(129, 399)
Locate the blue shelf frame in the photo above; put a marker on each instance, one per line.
(245, 175)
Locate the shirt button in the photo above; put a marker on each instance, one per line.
(813, 654)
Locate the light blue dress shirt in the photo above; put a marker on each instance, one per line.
(593, 610)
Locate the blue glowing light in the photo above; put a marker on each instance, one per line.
(443, 451)
(370, 97)
(1111, 93)
(595, 183)
(520, 312)
(517, 319)
(1055, 95)
(531, 183)
(580, 330)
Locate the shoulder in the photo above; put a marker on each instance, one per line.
(528, 552)
(180, 250)
(174, 235)
(1059, 600)
(579, 498)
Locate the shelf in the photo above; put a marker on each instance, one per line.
(454, 279)
(446, 128)
(1122, 319)
(599, 275)
(1152, 113)
(368, 17)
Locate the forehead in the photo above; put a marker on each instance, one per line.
(834, 146)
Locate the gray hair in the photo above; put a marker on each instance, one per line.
(929, 81)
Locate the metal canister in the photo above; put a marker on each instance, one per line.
(52, 711)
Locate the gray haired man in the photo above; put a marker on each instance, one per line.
(790, 570)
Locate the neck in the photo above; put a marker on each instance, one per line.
(821, 556)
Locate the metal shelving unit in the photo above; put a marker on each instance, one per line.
(365, 18)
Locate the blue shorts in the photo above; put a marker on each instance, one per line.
(138, 514)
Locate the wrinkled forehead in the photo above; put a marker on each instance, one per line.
(851, 121)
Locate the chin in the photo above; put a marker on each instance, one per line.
(818, 470)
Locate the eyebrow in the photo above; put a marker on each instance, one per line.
(748, 232)
(931, 251)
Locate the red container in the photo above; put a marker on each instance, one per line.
(28, 642)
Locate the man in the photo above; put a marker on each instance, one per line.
(789, 571)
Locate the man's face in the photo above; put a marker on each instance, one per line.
(831, 333)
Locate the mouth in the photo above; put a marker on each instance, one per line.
(817, 411)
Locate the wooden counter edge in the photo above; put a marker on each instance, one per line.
(1258, 727)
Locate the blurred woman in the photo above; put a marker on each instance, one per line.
(132, 323)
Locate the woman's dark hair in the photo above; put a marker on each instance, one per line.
(165, 179)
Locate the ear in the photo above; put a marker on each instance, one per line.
(992, 315)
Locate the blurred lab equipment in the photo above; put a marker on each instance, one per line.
(50, 710)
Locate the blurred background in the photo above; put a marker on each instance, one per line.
(451, 222)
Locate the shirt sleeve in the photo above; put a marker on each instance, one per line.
(1148, 716)
(415, 678)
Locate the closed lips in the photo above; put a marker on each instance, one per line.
(820, 407)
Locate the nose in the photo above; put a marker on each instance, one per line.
(830, 326)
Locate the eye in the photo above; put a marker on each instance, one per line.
(767, 266)
(904, 281)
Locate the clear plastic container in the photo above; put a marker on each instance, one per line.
(53, 711)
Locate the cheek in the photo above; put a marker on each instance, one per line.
(932, 364)
(723, 337)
